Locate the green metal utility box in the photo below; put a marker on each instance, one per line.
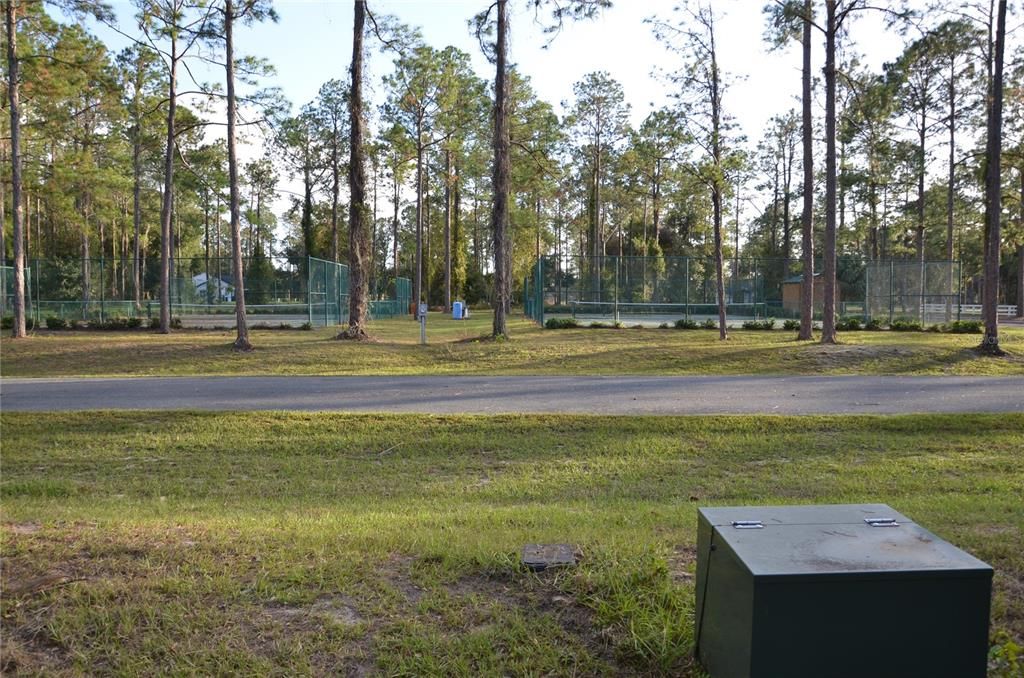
(856, 591)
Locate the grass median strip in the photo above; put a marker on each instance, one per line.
(309, 543)
(456, 348)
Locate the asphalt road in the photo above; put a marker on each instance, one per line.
(488, 395)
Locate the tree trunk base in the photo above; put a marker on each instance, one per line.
(990, 346)
(830, 338)
(805, 337)
(353, 334)
(493, 338)
(242, 345)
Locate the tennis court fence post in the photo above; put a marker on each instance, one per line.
(960, 287)
(754, 295)
(309, 289)
(102, 292)
(39, 292)
(540, 291)
(892, 274)
(686, 288)
(618, 258)
(867, 292)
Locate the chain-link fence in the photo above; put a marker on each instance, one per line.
(925, 291)
(7, 291)
(393, 300)
(202, 291)
(328, 292)
(657, 290)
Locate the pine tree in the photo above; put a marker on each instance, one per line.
(993, 189)
(701, 94)
(359, 237)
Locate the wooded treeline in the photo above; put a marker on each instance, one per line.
(96, 142)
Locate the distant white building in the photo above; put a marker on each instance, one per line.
(221, 289)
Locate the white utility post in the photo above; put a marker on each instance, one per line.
(422, 313)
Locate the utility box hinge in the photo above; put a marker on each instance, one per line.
(747, 524)
(881, 522)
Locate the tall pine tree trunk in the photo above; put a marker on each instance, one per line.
(426, 236)
(921, 151)
(599, 249)
(418, 273)
(168, 196)
(786, 221)
(335, 188)
(242, 342)
(447, 231)
(655, 203)
(500, 207)
(217, 241)
(921, 169)
(951, 184)
(828, 321)
(137, 183)
(993, 152)
(17, 232)
(807, 218)
(394, 223)
(716, 189)
(137, 224)
(1020, 250)
(206, 243)
(458, 251)
(358, 232)
(308, 237)
(3, 231)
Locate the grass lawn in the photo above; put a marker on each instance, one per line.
(455, 348)
(290, 544)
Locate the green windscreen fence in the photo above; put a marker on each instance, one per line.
(202, 291)
(662, 290)
(7, 291)
(393, 301)
(328, 292)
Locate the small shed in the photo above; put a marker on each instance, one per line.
(220, 288)
(791, 293)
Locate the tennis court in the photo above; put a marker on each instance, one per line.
(655, 291)
(292, 291)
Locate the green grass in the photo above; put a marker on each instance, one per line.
(290, 544)
(455, 348)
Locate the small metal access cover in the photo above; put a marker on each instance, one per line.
(539, 557)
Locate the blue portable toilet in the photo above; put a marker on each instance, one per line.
(457, 310)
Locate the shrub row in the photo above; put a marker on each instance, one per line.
(7, 323)
(854, 323)
(280, 326)
(847, 324)
(561, 323)
(687, 324)
(115, 323)
(955, 327)
(122, 323)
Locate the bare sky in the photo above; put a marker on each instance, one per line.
(311, 44)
